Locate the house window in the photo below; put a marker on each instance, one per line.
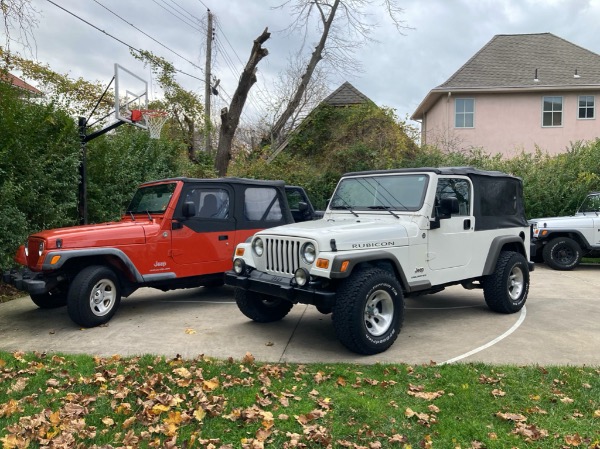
(552, 111)
(586, 106)
(464, 112)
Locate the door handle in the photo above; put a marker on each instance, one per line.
(223, 237)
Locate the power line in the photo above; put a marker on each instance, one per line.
(170, 12)
(115, 38)
(147, 35)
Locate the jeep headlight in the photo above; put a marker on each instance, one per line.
(258, 246)
(26, 249)
(309, 253)
(41, 248)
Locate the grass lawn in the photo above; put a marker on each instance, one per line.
(62, 401)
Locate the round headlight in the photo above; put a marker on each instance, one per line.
(309, 253)
(258, 246)
(239, 266)
(301, 277)
(41, 248)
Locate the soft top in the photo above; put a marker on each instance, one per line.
(498, 197)
(231, 180)
(464, 171)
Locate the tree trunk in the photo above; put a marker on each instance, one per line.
(317, 55)
(231, 118)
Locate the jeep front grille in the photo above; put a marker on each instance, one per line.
(283, 255)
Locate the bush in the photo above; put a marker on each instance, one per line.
(39, 150)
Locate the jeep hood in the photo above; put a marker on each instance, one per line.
(573, 221)
(97, 235)
(352, 233)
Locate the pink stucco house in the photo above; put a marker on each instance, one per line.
(518, 92)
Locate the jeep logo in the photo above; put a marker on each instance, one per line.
(158, 264)
(419, 270)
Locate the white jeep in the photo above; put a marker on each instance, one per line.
(387, 235)
(561, 242)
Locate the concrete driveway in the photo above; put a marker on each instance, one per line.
(559, 325)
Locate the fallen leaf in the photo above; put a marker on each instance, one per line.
(190, 331)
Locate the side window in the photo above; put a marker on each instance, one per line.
(210, 203)
(552, 109)
(293, 199)
(464, 113)
(586, 107)
(262, 204)
(455, 188)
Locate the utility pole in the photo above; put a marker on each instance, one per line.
(207, 89)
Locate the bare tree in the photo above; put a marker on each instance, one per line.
(285, 86)
(230, 118)
(19, 18)
(344, 26)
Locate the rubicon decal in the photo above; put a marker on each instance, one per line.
(373, 244)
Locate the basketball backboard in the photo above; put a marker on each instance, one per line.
(131, 93)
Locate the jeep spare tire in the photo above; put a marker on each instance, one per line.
(562, 253)
(94, 296)
(369, 311)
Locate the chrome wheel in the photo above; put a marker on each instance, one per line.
(102, 297)
(379, 313)
(516, 283)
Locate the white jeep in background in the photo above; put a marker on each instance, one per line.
(387, 235)
(561, 242)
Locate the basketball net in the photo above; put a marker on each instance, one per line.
(155, 121)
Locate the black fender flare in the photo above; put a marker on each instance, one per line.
(496, 246)
(362, 257)
(581, 240)
(94, 252)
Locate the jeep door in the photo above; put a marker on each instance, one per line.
(203, 229)
(449, 244)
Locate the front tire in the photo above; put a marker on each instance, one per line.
(505, 290)
(369, 311)
(261, 308)
(562, 253)
(94, 296)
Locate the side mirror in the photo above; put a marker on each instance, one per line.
(302, 206)
(189, 209)
(448, 206)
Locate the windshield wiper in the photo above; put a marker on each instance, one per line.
(149, 216)
(132, 216)
(388, 208)
(345, 206)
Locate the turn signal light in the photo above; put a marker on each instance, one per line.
(345, 265)
(239, 252)
(322, 263)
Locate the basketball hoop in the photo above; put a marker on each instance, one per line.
(154, 120)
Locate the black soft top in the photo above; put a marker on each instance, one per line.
(497, 200)
(231, 180)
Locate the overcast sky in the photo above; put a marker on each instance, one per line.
(399, 70)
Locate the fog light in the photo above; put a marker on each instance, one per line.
(301, 277)
(239, 266)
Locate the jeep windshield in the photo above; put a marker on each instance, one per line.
(390, 192)
(151, 199)
(591, 204)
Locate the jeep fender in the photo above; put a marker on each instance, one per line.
(571, 233)
(94, 252)
(512, 241)
(370, 256)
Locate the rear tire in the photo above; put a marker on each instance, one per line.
(505, 290)
(562, 253)
(50, 300)
(369, 311)
(94, 296)
(261, 308)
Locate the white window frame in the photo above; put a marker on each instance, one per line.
(562, 111)
(586, 107)
(463, 113)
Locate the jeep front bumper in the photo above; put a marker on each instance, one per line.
(281, 287)
(29, 281)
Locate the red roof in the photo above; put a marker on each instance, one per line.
(18, 82)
